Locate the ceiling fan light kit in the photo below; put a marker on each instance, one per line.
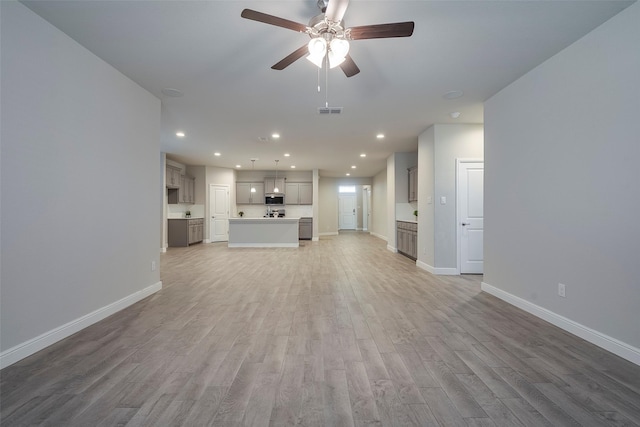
(329, 38)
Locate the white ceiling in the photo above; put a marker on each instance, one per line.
(232, 97)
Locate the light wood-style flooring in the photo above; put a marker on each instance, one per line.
(339, 332)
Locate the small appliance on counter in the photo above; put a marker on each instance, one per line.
(274, 212)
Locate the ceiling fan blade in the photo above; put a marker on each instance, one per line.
(291, 58)
(382, 31)
(273, 20)
(349, 67)
(336, 9)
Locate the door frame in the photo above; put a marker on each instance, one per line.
(355, 207)
(208, 209)
(458, 213)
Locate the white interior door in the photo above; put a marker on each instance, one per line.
(347, 212)
(471, 216)
(219, 212)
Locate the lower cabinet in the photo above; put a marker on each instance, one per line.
(305, 228)
(185, 231)
(407, 238)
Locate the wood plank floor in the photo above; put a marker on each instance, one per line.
(339, 332)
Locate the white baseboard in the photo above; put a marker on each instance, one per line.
(438, 271)
(42, 341)
(425, 266)
(315, 239)
(392, 249)
(206, 241)
(163, 250)
(329, 233)
(613, 345)
(379, 236)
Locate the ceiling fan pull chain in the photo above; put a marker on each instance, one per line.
(318, 80)
(326, 82)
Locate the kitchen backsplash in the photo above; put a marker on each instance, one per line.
(258, 211)
(178, 211)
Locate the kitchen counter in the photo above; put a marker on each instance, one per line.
(263, 232)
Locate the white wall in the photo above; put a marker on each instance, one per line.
(562, 195)
(78, 138)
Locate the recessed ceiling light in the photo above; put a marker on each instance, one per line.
(180, 134)
(380, 136)
(363, 155)
(455, 114)
(275, 135)
(453, 94)
(238, 166)
(293, 166)
(348, 174)
(216, 154)
(353, 166)
(287, 154)
(173, 93)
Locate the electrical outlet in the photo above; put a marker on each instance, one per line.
(153, 266)
(562, 290)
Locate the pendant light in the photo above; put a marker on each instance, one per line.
(275, 184)
(253, 164)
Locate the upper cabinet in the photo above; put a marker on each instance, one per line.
(271, 183)
(187, 191)
(413, 184)
(244, 195)
(299, 193)
(172, 176)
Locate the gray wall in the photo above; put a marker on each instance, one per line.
(438, 149)
(81, 182)
(328, 202)
(561, 182)
(379, 205)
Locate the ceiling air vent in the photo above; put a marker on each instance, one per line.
(329, 110)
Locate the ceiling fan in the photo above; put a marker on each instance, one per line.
(329, 37)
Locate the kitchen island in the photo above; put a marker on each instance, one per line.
(263, 232)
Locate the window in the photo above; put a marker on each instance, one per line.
(347, 189)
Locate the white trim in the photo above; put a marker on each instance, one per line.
(329, 233)
(604, 341)
(263, 245)
(206, 241)
(392, 249)
(163, 250)
(315, 239)
(27, 348)
(425, 266)
(379, 236)
(446, 271)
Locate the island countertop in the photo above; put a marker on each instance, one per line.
(263, 232)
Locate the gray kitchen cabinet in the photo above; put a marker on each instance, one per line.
(407, 238)
(413, 184)
(186, 192)
(172, 176)
(305, 228)
(185, 231)
(244, 196)
(271, 183)
(299, 193)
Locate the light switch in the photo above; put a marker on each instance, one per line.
(429, 200)
(443, 200)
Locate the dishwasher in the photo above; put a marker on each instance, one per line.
(305, 228)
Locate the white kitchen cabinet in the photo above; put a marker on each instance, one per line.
(244, 196)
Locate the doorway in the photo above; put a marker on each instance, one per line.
(347, 211)
(366, 203)
(219, 213)
(470, 216)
